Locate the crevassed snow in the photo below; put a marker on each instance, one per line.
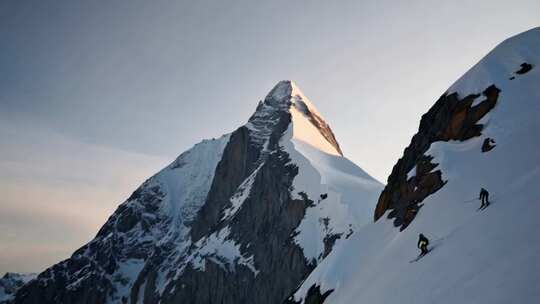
(488, 256)
(351, 193)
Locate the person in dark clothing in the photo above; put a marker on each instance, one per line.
(484, 197)
(423, 243)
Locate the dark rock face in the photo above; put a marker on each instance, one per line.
(93, 289)
(239, 159)
(451, 118)
(488, 145)
(525, 67)
(11, 282)
(329, 241)
(313, 296)
(263, 228)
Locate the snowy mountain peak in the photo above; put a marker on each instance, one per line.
(308, 124)
(210, 227)
(281, 91)
(286, 94)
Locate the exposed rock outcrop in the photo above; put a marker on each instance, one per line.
(313, 296)
(451, 118)
(524, 68)
(488, 145)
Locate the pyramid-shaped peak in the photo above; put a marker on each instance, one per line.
(308, 125)
(284, 89)
(281, 90)
(286, 93)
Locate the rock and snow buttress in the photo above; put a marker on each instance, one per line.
(11, 282)
(482, 133)
(239, 219)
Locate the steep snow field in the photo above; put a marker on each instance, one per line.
(489, 256)
(350, 193)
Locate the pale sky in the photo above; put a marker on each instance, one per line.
(95, 97)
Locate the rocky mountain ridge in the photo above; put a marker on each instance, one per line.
(240, 219)
(11, 282)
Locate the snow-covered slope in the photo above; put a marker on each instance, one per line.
(325, 171)
(243, 218)
(486, 256)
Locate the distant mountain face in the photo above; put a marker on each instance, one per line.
(11, 282)
(482, 133)
(239, 219)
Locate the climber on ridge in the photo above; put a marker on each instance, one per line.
(484, 197)
(423, 242)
